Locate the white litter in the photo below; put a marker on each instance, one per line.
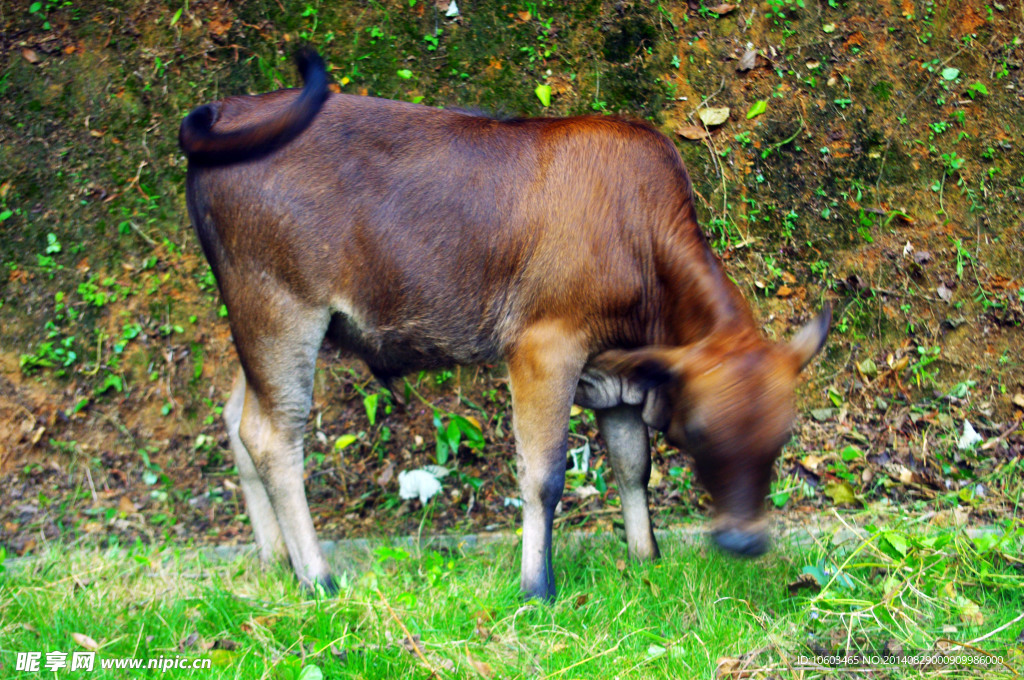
(970, 437)
(453, 10)
(437, 470)
(581, 457)
(418, 483)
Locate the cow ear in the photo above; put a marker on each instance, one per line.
(647, 367)
(809, 340)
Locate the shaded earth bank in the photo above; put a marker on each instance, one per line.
(870, 155)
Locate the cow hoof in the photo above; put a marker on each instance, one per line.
(325, 586)
(742, 543)
(543, 593)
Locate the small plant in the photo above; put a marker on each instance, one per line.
(864, 224)
(781, 10)
(91, 293)
(44, 8)
(920, 368)
(775, 274)
(53, 246)
(952, 163)
(459, 430)
(783, 489)
(682, 477)
(309, 11)
(975, 90)
(50, 354)
(433, 40)
(789, 224)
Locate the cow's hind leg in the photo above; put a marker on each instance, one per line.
(265, 528)
(278, 347)
(543, 371)
(629, 448)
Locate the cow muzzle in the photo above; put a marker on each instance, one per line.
(742, 543)
(744, 539)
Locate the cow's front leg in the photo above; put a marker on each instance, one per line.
(629, 448)
(543, 371)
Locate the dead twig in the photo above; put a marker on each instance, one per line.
(408, 636)
(991, 443)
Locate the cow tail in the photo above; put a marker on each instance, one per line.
(204, 146)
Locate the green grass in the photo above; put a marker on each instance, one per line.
(452, 614)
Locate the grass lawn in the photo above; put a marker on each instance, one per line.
(895, 586)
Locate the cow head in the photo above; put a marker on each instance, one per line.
(730, 404)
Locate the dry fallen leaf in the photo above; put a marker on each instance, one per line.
(724, 8)
(30, 56)
(970, 612)
(841, 493)
(811, 462)
(692, 132)
(481, 667)
(560, 85)
(714, 116)
(190, 641)
(806, 581)
(413, 644)
(85, 641)
(728, 667)
(656, 478)
(219, 27)
(387, 474)
(125, 506)
(748, 61)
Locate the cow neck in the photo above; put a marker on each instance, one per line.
(698, 299)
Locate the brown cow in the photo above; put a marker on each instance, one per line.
(419, 238)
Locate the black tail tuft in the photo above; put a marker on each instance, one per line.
(309, 63)
(206, 147)
(200, 119)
